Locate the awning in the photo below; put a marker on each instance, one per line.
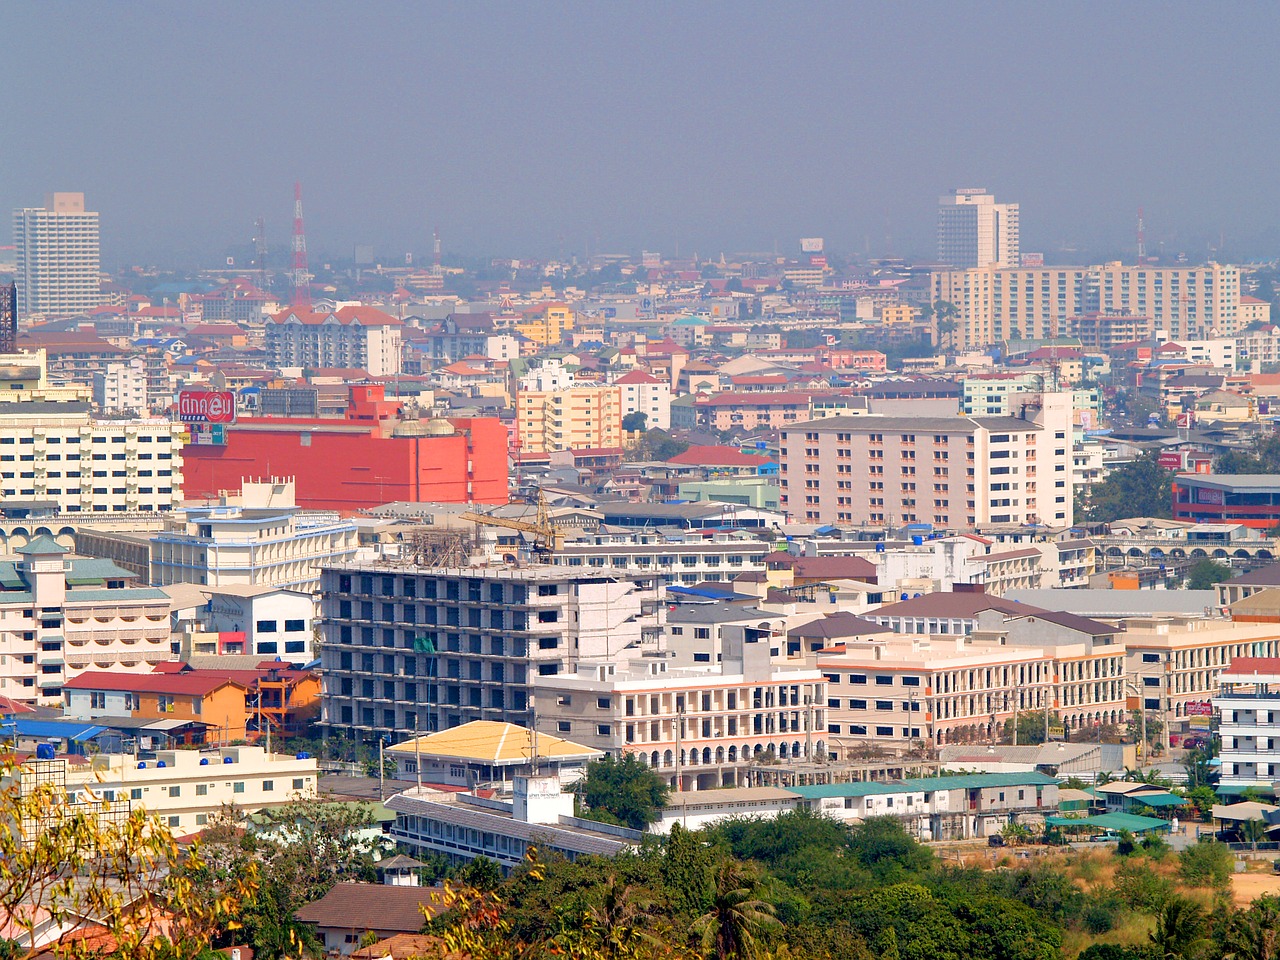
(1112, 821)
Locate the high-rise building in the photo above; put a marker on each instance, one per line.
(975, 231)
(57, 249)
(9, 318)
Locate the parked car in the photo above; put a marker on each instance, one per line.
(1195, 743)
(1107, 837)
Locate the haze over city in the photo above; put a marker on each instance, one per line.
(575, 128)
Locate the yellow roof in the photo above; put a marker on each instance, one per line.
(488, 741)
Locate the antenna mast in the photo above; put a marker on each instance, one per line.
(301, 276)
(1142, 240)
(260, 244)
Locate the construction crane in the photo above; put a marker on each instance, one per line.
(552, 539)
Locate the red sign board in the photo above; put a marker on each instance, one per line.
(1198, 708)
(207, 406)
(1170, 461)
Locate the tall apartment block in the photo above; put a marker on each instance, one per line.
(975, 231)
(996, 304)
(953, 472)
(426, 648)
(58, 258)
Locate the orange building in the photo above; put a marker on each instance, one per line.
(206, 707)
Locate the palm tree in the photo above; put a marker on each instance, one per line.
(615, 918)
(1255, 933)
(1179, 932)
(729, 931)
(1252, 831)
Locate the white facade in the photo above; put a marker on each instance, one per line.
(975, 231)
(121, 388)
(361, 338)
(642, 393)
(275, 622)
(185, 789)
(699, 728)
(1248, 703)
(254, 538)
(58, 258)
(1218, 352)
(60, 616)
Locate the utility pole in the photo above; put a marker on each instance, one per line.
(417, 751)
(679, 740)
(808, 727)
(1015, 718)
(382, 771)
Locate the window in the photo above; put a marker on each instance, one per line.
(295, 626)
(268, 786)
(602, 703)
(238, 787)
(201, 819)
(135, 793)
(202, 789)
(175, 791)
(602, 729)
(562, 726)
(299, 783)
(266, 626)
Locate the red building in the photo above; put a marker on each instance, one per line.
(375, 455)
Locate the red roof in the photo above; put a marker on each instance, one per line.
(637, 376)
(1251, 665)
(197, 683)
(365, 316)
(717, 456)
(755, 399)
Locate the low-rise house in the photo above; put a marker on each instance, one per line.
(345, 915)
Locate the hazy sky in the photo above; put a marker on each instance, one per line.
(519, 128)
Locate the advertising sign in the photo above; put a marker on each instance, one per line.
(1198, 708)
(207, 406)
(1207, 495)
(1170, 461)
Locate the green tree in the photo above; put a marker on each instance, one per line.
(738, 918)
(622, 791)
(1252, 831)
(686, 872)
(1140, 488)
(884, 847)
(1206, 573)
(1206, 863)
(1254, 934)
(1180, 931)
(1263, 458)
(635, 422)
(1031, 728)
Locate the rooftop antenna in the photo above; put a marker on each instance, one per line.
(436, 269)
(1142, 240)
(301, 277)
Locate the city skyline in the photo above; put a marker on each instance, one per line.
(579, 128)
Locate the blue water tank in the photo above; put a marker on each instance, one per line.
(45, 751)
(903, 597)
(204, 761)
(880, 547)
(302, 756)
(161, 763)
(228, 760)
(917, 540)
(142, 764)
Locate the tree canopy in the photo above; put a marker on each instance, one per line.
(622, 791)
(1140, 488)
(1206, 573)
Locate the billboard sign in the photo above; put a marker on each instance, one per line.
(1170, 461)
(1198, 708)
(207, 406)
(1208, 495)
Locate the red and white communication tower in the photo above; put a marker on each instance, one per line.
(301, 276)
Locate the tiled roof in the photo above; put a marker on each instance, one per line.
(957, 605)
(370, 906)
(190, 684)
(718, 456)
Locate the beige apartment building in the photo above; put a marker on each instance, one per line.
(573, 418)
(936, 690)
(953, 472)
(996, 304)
(698, 727)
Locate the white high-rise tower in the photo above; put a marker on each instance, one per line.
(975, 231)
(58, 260)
